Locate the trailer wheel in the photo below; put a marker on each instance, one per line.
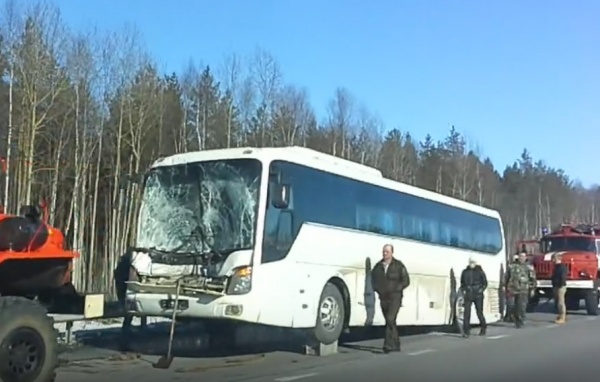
(28, 342)
(330, 315)
(591, 302)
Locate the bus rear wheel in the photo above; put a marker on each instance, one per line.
(330, 315)
(458, 312)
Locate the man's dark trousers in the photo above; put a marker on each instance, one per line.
(390, 306)
(478, 302)
(519, 308)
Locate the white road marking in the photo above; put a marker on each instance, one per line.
(295, 377)
(591, 318)
(551, 326)
(440, 334)
(425, 351)
(497, 337)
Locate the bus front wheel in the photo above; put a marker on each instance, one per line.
(330, 315)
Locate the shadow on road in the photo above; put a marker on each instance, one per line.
(191, 340)
(195, 340)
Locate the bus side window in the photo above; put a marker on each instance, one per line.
(598, 247)
(279, 225)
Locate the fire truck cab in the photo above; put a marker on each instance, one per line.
(579, 247)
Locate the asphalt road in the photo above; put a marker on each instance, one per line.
(541, 351)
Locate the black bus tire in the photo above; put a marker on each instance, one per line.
(330, 315)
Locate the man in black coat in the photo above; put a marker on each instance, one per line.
(390, 279)
(473, 283)
(123, 273)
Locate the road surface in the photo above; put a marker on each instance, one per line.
(541, 350)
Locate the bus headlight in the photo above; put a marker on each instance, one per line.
(240, 281)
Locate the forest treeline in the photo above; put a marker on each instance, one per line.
(82, 113)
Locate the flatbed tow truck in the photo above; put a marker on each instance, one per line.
(35, 293)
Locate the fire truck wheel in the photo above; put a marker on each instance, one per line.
(591, 302)
(28, 341)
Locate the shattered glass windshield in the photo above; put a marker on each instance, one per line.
(200, 207)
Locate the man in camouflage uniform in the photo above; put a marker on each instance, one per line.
(520, 281)
(510, 299)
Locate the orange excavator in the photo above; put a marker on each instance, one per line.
(35, 281)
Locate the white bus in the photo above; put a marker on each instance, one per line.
(287, 237)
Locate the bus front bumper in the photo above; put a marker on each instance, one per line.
(206, 306)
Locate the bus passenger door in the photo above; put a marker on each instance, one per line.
(275, 272)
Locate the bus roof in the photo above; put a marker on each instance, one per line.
(324, 162)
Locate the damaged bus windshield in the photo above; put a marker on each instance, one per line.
(200, 207)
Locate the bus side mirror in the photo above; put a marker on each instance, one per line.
(280, 196)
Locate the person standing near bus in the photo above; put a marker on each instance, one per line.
(123, 273)
(520, 281)
(510, 299)
(559, 286)
(473, 283)
(390, 278)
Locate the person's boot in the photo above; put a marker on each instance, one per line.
(483, 331)
(561, 319)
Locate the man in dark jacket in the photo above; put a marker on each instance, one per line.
(390, 278)
(473, 283)
(559, 286)
(123, 273)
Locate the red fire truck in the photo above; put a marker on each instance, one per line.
(579, 246)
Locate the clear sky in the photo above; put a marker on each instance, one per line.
(508, 73)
